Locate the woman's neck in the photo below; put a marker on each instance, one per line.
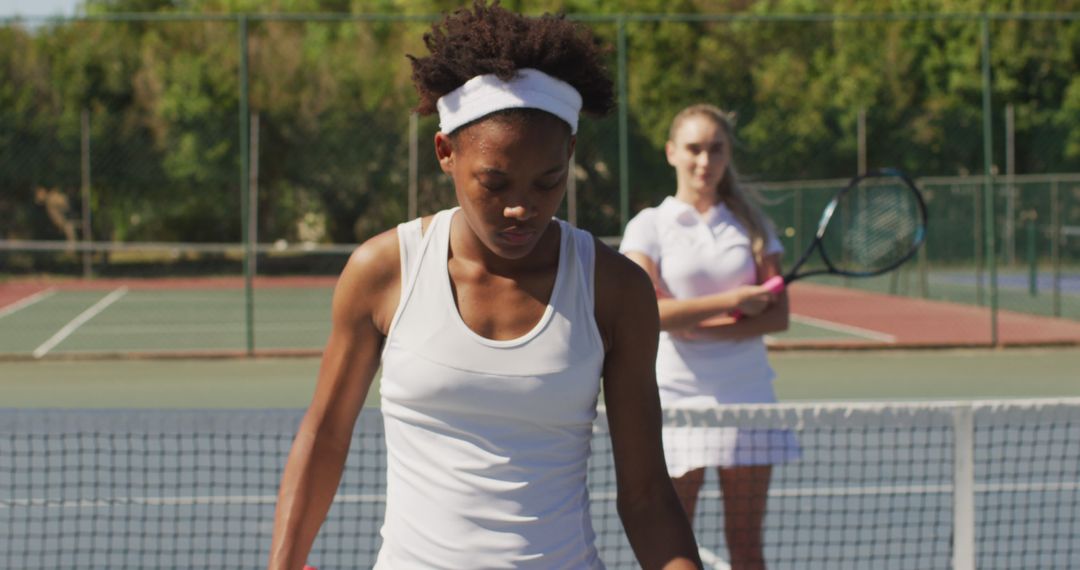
(467, 246)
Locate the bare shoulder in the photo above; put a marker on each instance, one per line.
(616, 273)
(368, 286)
(624, 292)
(375, 261)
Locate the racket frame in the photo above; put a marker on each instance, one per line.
(830, 209)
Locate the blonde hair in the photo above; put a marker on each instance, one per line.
(744, 203)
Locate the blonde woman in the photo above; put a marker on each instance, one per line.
(706, 249)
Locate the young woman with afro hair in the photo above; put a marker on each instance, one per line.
(494, 323)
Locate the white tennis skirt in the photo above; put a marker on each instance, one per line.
(687, 448)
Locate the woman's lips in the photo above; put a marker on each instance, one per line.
(517, 236)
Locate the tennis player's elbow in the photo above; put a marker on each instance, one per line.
(780, 314)
(670, 322)
(332, 439)
(783, 321)
(642, 503)
(320, 434)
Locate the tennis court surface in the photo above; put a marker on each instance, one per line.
(884, 320)
(194, 317)
(876, 485)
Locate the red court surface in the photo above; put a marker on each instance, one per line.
(921, 323)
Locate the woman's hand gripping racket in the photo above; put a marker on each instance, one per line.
(872, 226)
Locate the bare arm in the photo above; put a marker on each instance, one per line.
(658, 529)
(775, 318)
(678, 314)
(364, 300)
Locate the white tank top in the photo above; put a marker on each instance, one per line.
(487, 440)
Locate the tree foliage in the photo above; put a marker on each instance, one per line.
(333, 100)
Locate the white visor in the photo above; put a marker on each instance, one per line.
(529, 89)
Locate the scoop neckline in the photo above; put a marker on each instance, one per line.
(545, 318)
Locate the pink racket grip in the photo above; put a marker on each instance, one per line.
(774, 284)
(310, 568)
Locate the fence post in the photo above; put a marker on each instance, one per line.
(798, 222)
(1009, 238)
(624, 127)
(977, 240)
(861, 135)
(924, 272)
(1032, 255)
(253, 192)
(1055, 244)
(988, 182)
(245, 198)
(963, 487)
(87, 236)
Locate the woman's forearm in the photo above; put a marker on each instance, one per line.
(773, 320)
(659, 532)
(308, 486)
(678, 314)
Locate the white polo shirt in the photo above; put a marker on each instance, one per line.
(700, 254)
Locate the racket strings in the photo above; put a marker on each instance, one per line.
(874, 228)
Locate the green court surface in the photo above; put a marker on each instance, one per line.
(123, 321)
(165, 320)
(288, 382)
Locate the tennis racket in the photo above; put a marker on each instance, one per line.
(872, 226)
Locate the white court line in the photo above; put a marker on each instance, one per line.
(211, 328)
(78, 322)
(369, 498)
(27, 301)
(155, 501)
(711, 560)
(174, 501)
(874, 490)
(857, 331)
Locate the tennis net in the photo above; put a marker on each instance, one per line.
(893, 485)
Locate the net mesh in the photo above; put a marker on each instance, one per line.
(873, 486)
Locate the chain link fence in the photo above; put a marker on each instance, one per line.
(211, 145)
